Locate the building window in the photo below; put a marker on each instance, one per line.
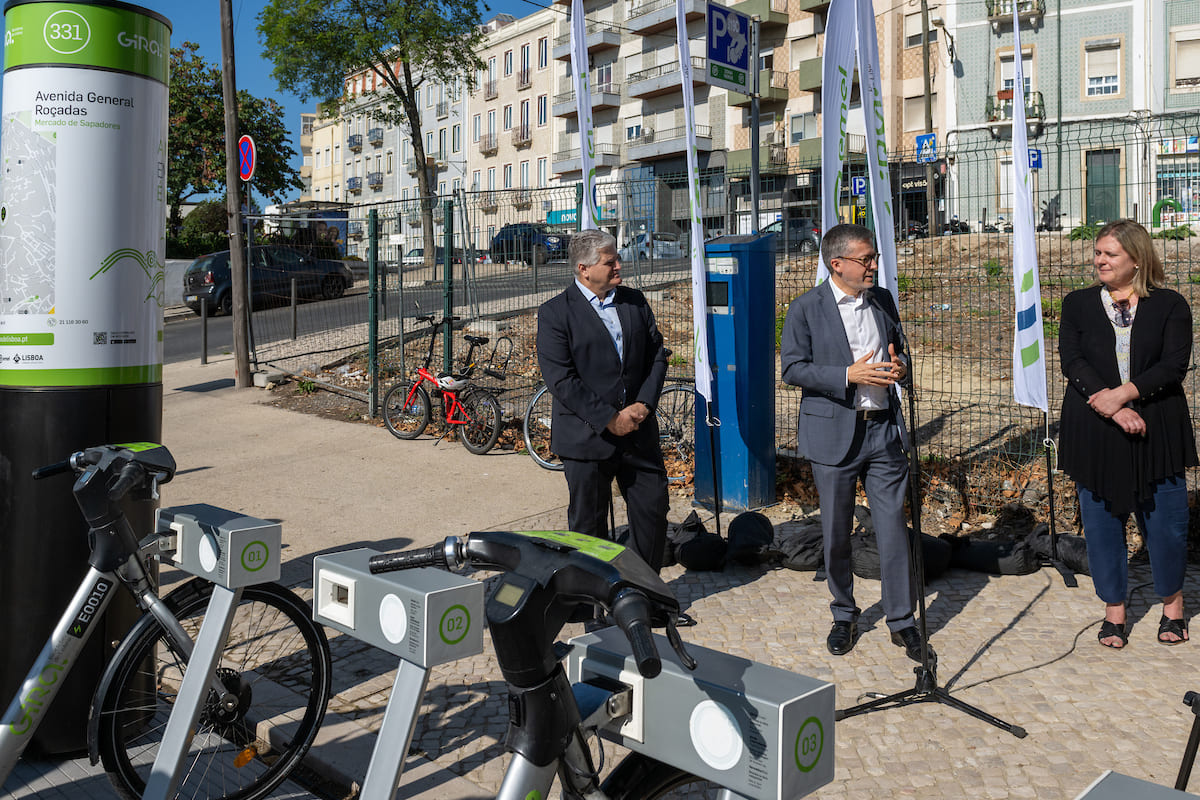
(456, 138)
(492, 68)
(1185, 72)
(442, 143)
(524, 174)
(429, 97)
(541, 175)
(766, 59)
(492, 121)
(508, 117)
(543, 111)
(475, 181)
(1007, 75)
(524, 113)
(914, 112)
(389, 162)
(912, 31)
(1103, 67)
(475, 128)
(508, 63)
(491, 178)
(525, 53)
(603, 80)
(508, 176)
(543, 53)
(803, 126)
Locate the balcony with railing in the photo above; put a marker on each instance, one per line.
(656, 15)
(491, 89)
(568, 159)
(354, 230)
(598, 34)
(524, 78)
(413, 168)
(354, 141)
(771, 13)
(813, 6)
(354, 184)
(375, 180)
(443, 109)
(413, 217)
(487, 201)
(999, 113)
(772, 88)
(654, 146)
(772, 156)
(522, 198)
(1000, 12)
(488, 145)
(521, 136)
(666, 78)
(604, 95)
(375, 136)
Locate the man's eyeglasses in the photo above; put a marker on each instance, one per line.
(1122, 317)
(865, 263)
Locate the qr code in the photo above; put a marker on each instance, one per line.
(100, 338)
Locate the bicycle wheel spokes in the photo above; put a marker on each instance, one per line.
(482, 429)
(275, 674)
(537, 430)
(676, 414)
(406, 410)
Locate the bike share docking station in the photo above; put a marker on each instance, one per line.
(756, 730)
(425, 616)
(735, 461)
(231, 551)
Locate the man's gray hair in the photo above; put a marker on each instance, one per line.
(837, 240)
(585, 247)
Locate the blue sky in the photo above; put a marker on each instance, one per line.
(200, 21)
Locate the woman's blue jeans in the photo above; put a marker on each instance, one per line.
(1163, 520)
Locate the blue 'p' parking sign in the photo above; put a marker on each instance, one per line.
(729, 48)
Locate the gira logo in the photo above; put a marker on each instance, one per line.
(38, 697)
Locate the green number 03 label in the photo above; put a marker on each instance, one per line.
(809, 744)
(455, 624)
(66, 32)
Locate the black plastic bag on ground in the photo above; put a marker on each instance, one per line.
(799, 547)
(864, 555)
(689, 543)
(1072, 549)
(751, 536)
(993, 556)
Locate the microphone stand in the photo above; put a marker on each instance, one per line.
(926, 689)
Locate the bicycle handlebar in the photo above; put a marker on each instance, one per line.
(51, 470)
(442, 555)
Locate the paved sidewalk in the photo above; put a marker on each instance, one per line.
(1021, 648)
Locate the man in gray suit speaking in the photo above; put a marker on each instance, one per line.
(842, 344)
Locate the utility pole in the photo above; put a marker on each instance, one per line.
(931, 210)
(233, 205)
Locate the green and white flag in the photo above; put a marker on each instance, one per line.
(1029, 350)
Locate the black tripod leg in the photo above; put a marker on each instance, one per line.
(1193, 743)
(943, 696)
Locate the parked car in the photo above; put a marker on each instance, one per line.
(416, 256)
(647, 246)
(272, 269)
(531, 242)
(795, 235)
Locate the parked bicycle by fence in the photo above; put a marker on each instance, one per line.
(265, 699)
(675, 412)
(467, 408)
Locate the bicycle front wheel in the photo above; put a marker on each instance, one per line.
(537, 430)
(406, 418)
(276, 669)
(482, 429)
(676, 414)
(639, 777)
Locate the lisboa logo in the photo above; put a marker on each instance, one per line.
(139, 42)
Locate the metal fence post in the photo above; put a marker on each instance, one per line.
(373, 313)
(448, 285)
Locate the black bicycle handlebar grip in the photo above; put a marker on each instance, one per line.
(433, 556)
(52, 469)
(632, 614)
(130, 477)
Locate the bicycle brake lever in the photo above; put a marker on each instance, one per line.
(677, 645)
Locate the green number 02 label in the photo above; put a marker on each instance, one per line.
(455, 624)
(809, 744)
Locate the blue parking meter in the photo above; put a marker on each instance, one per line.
(735, 462)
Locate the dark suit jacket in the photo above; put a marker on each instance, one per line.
(586, 377)
(815, 353)
(1095, 451)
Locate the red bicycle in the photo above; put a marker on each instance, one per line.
(467, 408)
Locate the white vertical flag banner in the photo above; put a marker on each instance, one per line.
(837, 79)
(877, 158)
(1029, 351)
(699, 274)
(583, 103)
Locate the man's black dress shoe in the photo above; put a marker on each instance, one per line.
(910, 640)
(841, 638)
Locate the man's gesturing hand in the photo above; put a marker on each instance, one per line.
(875, 373)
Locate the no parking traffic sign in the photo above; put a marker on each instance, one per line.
(247, 158)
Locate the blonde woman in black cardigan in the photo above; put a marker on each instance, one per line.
(1126, 435)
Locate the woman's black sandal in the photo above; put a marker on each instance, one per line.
(1175, 626)
(1114, 629)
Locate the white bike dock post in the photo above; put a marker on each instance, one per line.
(425, 616)
(758, 731)
(232, 551)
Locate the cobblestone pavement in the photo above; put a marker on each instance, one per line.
(1021, 648)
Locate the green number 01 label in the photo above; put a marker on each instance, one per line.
(455, 624)
(809, 744)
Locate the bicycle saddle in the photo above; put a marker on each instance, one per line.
(451, 383)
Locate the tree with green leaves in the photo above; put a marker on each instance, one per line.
(316, 44)
(196, 135)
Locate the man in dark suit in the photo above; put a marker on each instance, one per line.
(842, 343)
(603, 358)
